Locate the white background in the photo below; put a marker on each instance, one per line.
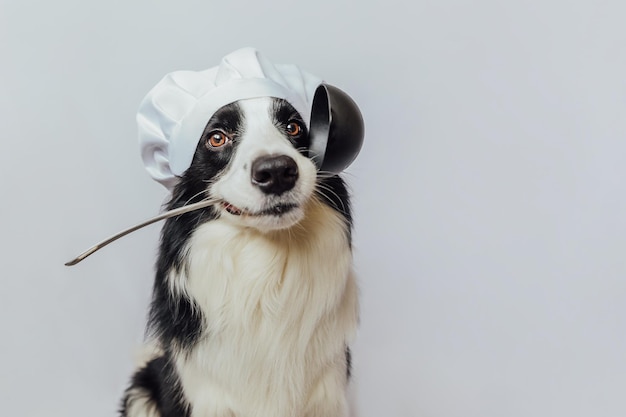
(490, 195)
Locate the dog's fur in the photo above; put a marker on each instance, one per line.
(254, 301)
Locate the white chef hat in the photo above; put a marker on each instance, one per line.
(172, 117)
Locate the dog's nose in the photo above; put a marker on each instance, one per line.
(274, 174)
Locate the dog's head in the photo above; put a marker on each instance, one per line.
(248, 134)
(253, 159)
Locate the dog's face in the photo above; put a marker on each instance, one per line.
(251, 158)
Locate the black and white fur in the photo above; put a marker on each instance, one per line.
(255, 302)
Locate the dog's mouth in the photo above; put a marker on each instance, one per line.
(276, 210)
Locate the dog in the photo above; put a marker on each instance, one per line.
(255, 302)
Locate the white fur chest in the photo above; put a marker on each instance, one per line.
(280, 310)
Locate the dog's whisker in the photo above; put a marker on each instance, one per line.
(171, 213)
(330, 174)
(325, 174)
(348, 174)
(320, 188)
(193, 196)
(324, 196)
(186, 203)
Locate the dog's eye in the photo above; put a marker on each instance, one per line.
(217, 139)
(293, 128)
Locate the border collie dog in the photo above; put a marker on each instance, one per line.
(254, 301)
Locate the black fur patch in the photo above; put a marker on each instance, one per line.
(159, 384)
(348, 362)
(281, 113)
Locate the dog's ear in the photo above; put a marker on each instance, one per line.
(337, 129)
